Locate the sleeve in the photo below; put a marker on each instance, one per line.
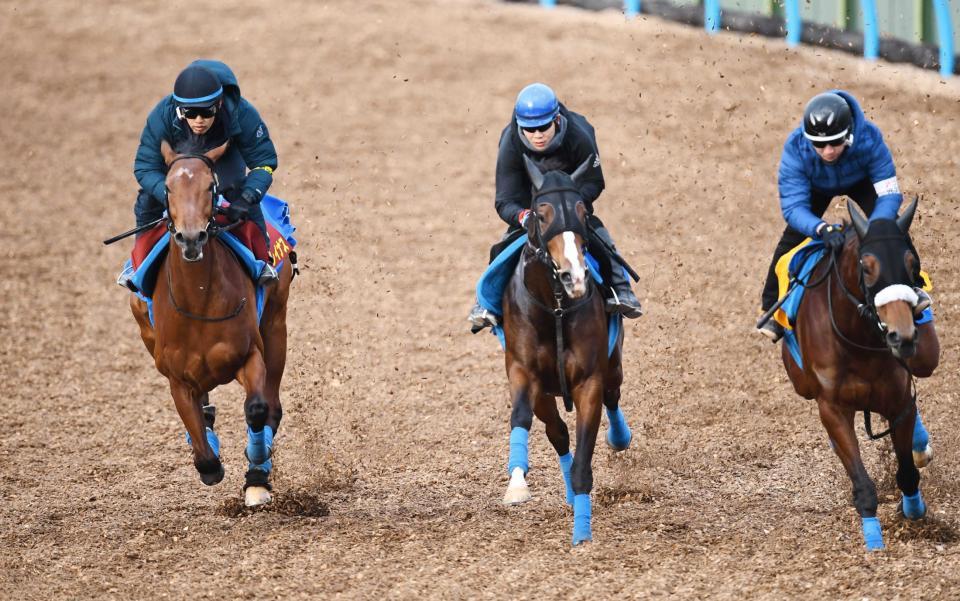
(149, 167)
(257, 150)
(883, 176)
(794, 188)
(592, 183)
(512, 182)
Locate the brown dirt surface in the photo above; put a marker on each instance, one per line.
(390, 463)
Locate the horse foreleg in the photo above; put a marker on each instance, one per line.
(521, 419)
(203, 440)
(588, 397)
(908, 476)
(259, 433)
(839, 425)
(619, 434)
(546, 411)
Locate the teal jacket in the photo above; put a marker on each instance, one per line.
(238, 121)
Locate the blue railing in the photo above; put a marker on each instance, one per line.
(794, 25)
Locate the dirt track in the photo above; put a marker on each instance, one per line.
(391, 458)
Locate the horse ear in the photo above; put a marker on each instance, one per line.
(904, 221)
(860, 222)
(536, 176)
(167, 152)
(582, 169)
(215, 153)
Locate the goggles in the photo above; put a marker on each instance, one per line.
(193, 112)
(540, 128)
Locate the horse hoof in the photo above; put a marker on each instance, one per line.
(872, 534)
(256, 495)
(516, 495)
(582, 542)
(924, 457)
(212, 478)
(619, 445)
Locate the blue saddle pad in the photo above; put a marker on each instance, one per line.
(802, 265)
(275, 212)
(497, 275)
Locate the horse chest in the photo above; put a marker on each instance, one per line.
(206, 365)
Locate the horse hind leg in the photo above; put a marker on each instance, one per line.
(839, 425)
(259, 449)
(911, 505)
(921, 449)
(546, 411)
(619, 434)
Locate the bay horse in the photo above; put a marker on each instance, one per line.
(860, 350)
(555, 331)
(205, 330)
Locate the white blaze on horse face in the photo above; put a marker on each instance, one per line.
(577, 270)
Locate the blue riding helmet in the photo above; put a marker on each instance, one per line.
(536, 105)
(197, 87)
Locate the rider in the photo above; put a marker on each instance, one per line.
(554, 137)
(836, 151)
(204, 111)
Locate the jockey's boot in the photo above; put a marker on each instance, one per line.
(772, 330)
(268, 275)
(923, 301)
(126, 275)
(480, 318)
(624, 301)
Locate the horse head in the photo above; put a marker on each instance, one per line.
(557, 229)
(888, 266)
(191, 195)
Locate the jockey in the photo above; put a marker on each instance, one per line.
(835, 152)
(554, 137)
(204, 111)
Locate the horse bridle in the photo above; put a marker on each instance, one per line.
(542, 255)
(212, 229)
(868, 311)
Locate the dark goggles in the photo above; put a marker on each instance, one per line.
(193, 112)
(837, 142)
(543, 127)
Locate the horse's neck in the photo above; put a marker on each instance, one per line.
(536, 277)
(204, 281)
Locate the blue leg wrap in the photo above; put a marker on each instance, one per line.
(518, 450)
(920, 436)
(566, 464)
(913, 507)
(619, 435)
(259, 448)
(581, 519)
(212, 439)
(872, 534)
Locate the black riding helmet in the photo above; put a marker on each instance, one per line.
(197, 87)
(827, 118)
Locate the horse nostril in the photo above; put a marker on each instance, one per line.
(178, 238)
(202, 238)
(893, 339)
(566, 278)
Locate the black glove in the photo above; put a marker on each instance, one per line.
(240, 208)
(833, 236)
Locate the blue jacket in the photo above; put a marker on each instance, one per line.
(802, 171)
(238, 121)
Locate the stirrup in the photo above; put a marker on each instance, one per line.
(480, 318)
(616, 305)
(268, 276)
(772, 330)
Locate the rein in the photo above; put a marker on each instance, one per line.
(867, 311)
(558, 311)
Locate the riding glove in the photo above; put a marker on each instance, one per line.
(833, 236)
(240, 208)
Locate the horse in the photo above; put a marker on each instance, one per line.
(555, 331)
(860, 350)
(206, 332)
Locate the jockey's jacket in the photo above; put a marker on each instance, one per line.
(574, 141)
(237, 121)
(802, 171)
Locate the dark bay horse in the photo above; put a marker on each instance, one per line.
(860, 350)
(555, 329)
(206, 332)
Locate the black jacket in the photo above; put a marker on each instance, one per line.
(514, 188)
